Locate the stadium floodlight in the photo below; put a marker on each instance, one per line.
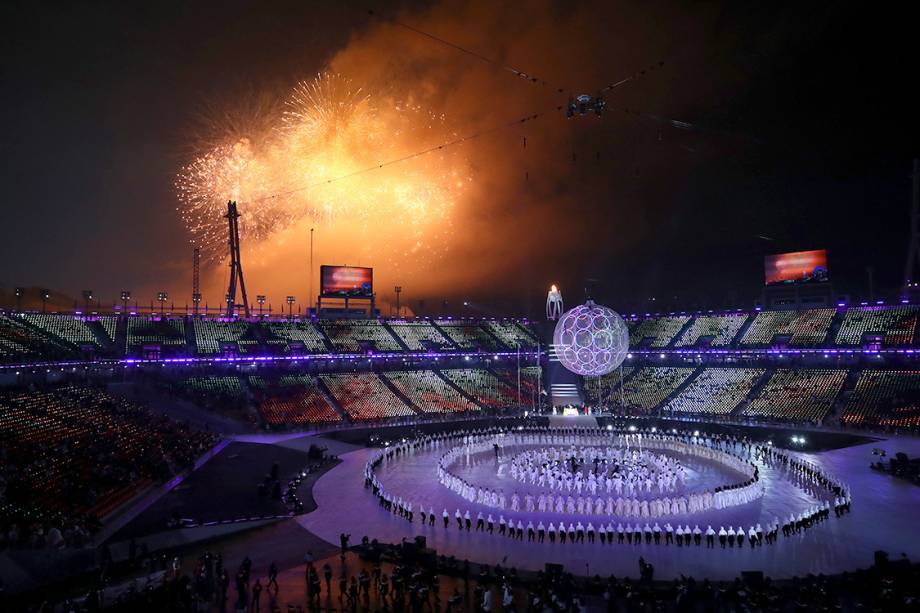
(46, 295)
(261, 300)
(161, 297)
(19, 292)
(290, 301)
(125, 297)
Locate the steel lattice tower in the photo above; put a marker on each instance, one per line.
(236, 267)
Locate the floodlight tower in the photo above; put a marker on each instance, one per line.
(236, 267)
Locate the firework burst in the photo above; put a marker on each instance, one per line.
(314, 164)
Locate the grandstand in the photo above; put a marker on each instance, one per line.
(155, 331)
(365, 396)
(294, 400)
(71, 330)
(483, 386)
(109, 326)
(797, 395)
(715, 391)
(598, 390)
(885, 398)
(76, 453)
(419, 336)
(896, 325)
(531, 379)
(284, 334)
(655, 331)
(227, 387)
(720, 329)
(211, 334)
(512, 334)
(808, 328)
(429, 392)
(467, 335)
(650, 386)
(19, 341)
(353, 336)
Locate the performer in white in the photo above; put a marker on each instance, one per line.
(553, 304)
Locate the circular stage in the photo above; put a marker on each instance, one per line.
(417, 475)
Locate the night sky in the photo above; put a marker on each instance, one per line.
(805, 116)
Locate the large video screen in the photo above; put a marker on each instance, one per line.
(346, 282)
(796, 267)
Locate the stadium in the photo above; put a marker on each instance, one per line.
(641, 444)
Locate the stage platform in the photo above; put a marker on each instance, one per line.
(572, 421)
(883, 517)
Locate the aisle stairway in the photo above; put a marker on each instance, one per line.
(562, 383)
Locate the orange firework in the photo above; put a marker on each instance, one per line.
(311, 165)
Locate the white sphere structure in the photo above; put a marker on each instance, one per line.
(591, 340)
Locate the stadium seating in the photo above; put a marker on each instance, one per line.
(75, 453)
(429, 392)
(484, 387)
(806, 328)
(419, 336)
(797, 395)
(599, 390)
(467, 335)
(286, 332)
(109, 325)
(223, 387)
(155, 331)
(19, 342)
(365, 396)
(721, 328)
(294, 400)
(69, 329)
(210, 333)
(348, 336)
(531, 379)
(511, 334)
(884, 398)
(715, 391)
(650, 386)
(896, 325)
(661, 330)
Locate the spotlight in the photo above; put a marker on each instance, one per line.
(696, 433)
(609, 427)
(632, 428)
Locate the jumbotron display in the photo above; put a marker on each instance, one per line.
(591, 340)
(346, 282)
(796, 267)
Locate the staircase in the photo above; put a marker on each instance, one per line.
(399, 394)
(753, 392)
(836, 322)
(680, 388)
(671, 342)
(736, 341)
(321, 386)
(563, 383)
